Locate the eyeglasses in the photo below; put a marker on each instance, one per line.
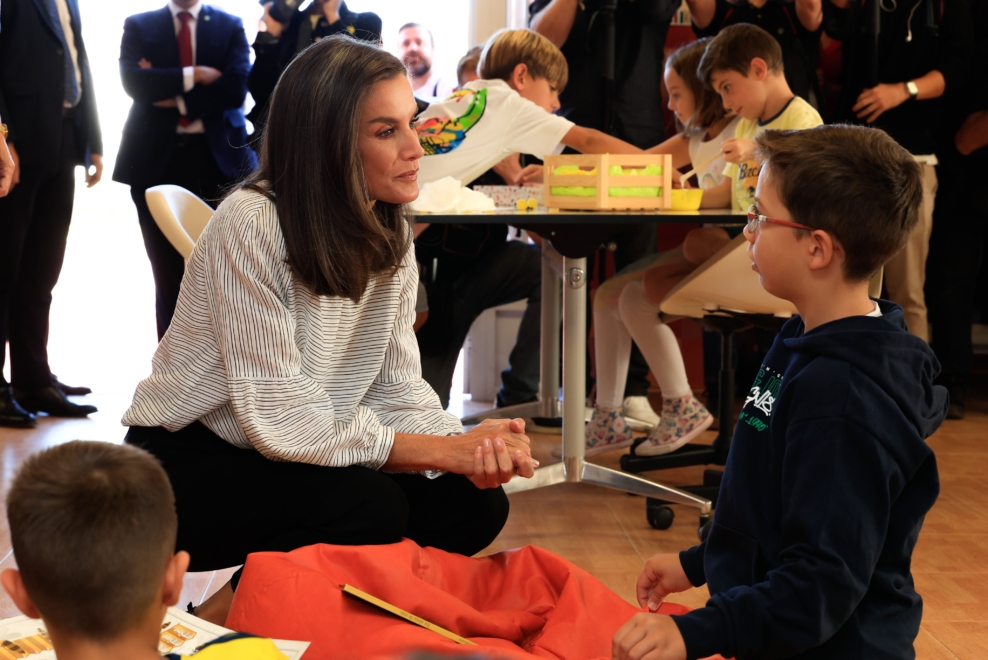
(755, 219)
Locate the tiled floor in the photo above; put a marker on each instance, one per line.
(103, 336)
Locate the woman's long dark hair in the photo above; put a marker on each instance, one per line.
(310, 166)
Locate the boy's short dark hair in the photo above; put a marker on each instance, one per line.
(736, 46)
(93, 525)
(506, 49)
(855, 183)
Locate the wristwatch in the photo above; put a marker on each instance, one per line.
(913, 90)
(3, 131)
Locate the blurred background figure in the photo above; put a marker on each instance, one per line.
(288, 30)
(417, 49)
(466, 68)
(48, 103)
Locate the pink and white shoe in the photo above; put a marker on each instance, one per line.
(682, 420)
(606, 430)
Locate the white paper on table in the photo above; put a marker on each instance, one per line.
(181, 633)
(447, 195)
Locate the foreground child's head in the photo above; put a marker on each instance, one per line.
(857, 190)
(529, 63)
(93, 529)
(743, 64)
(695, 105)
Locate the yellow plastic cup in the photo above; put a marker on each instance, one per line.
(686, 199)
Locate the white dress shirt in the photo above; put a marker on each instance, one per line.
(188, 72)
(65, 18)
(267, 365)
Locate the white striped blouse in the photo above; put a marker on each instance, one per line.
(267, 365)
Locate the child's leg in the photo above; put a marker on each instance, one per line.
(703, 243)
(683, 417)
(700, 245)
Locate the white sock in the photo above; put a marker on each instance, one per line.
(612, 348)
(656, 341)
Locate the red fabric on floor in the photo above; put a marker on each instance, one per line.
(519, 604)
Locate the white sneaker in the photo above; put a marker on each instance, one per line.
(639, 414)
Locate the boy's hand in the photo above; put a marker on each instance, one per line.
(663, 575)
(738, 150)
(654, 636)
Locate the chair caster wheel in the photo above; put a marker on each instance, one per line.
(659, 516)
(706, 522)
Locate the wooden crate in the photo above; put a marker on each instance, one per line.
(603, 181)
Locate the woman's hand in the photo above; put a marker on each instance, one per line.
(531, 174)
(663, 575)
(500, 450)
(652, 636)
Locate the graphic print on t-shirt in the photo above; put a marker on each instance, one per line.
(440, 135)
(757, 410)
(744, 185)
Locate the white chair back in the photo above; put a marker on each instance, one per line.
(179, 214)
(726, 282)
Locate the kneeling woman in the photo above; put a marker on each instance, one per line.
(286, 401)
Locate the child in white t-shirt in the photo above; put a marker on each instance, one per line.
(507, 111)
(621, 309)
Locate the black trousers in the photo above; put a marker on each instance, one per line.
(459, 292)
(34, 227)
(192, 167)
(232, 502)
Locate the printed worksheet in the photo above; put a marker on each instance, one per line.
(181, 633)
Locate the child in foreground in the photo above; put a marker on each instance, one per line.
(829, 476)
(93, 527)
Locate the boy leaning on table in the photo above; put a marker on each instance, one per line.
(829, 475)
(93, 527)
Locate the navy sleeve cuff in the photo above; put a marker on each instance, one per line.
(692, 562)
(705, 632)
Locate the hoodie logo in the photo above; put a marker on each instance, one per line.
(764, 391)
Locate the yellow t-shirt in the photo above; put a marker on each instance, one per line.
(235, 646)
(797, 115)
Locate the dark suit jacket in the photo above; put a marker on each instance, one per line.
(149, 133)
(32, 85)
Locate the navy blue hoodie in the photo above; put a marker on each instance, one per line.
(827, 482)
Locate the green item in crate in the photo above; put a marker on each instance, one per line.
(634, 191)
(575, 191)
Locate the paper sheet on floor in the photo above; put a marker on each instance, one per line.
(181, 633)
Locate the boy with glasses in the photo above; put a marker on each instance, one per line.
(829, 476)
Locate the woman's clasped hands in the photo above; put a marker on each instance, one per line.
(498, 450)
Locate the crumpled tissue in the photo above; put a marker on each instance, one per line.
(447, 195)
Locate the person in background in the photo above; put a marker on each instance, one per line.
(621, 309)
(470, 268)
(634, 107)
(185, 66)
(417, 49)
(466, 68)
(923, 49)
(795, 24)
(959, 220)
(6, 162)
(49, 106)
(287, 31)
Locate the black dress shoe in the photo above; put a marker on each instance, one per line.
(68, 390)
(12, 414)
(52, 401)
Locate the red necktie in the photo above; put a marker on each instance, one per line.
(184, 51)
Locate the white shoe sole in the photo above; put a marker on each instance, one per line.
(648, 449)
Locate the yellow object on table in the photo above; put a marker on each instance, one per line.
(687, 199)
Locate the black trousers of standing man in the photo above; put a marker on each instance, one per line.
(192, 167)
(34, 227)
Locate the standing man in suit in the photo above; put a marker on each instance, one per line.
(186, 66)
(48, 105)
